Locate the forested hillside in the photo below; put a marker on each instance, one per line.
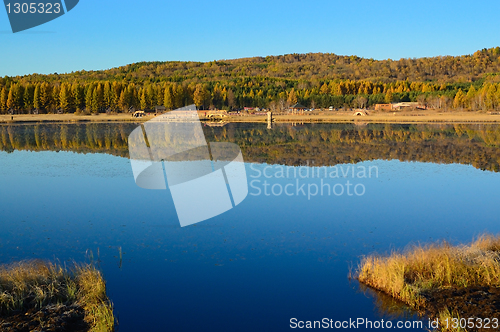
(315, 80)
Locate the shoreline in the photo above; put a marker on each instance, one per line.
(400, 117)
(441, 281)
(43, 296)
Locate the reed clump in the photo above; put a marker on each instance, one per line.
(29, 285)
(417, 275)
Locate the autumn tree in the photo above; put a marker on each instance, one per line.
(11, 99)
(55, 94)
(89, 90)
(4, 95)
(143, 99)
(292, 97)
(168, 98)
(491, 100)
(37, 98)
(123, 100)
(28, 97)
(97, 102)
(117, 89)
(231, 99)
(201, 96)
(65, 98)
(178, 92)
(108, 97)
(46, 99)
(15, 97)
(324, 89)
(389, 97)
(78, 95)
(218, 96)
(471, 99)
(460, 99)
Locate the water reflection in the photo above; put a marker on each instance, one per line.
(387, 306)
(318, 144)
(205, 180)
(269, 259)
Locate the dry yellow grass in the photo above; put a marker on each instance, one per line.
(35, 284)
(407, 276)
(26, 118)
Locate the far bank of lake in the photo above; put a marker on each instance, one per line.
(305, 117)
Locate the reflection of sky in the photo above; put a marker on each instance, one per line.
(269, 259)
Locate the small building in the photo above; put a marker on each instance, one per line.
(399, 106)
(160, 109)
(383, 107)
(411, 105)
(297, 107)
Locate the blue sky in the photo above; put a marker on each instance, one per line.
(105, 34)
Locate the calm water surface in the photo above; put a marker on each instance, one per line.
(270, 259)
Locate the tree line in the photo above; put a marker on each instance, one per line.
(466, 82)
(98, 97)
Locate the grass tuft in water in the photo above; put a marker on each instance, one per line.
(412, 276)
(35, 284)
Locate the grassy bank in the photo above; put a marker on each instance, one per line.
(441, 280)
(327, 117)
(27, 118)
(376, 117)
(38, 291)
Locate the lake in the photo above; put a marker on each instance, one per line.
(320, 196)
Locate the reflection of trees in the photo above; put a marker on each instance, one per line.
(83, 138)
(331, 144)
(318, 144)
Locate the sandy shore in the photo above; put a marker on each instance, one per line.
(68, 118)
(381, 117)
(414, 117)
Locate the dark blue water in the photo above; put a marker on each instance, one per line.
(270, 259)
